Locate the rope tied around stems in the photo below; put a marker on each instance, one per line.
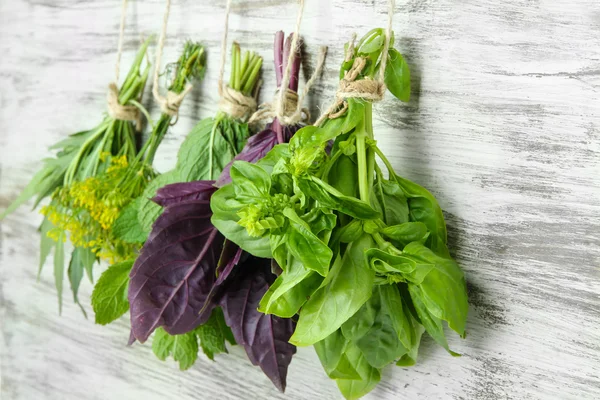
(118, 111)
(232, 101)
(115, 109)
(367, 89)
(287, 104)
(170, 104)
(235, 103)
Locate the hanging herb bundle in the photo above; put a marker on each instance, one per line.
(276, 131)
(66, 178)
(365, 267)
(207, 149)
(211, 293)
(117, 194)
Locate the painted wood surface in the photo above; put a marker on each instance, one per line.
(503, 127)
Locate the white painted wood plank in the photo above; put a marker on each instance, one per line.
(503, 127)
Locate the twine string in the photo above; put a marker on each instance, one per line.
(168, 104)
(115, 109)
(231, 101)
(367, 89)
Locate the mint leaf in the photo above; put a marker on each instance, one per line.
(213, 334)
(148, 211)
(127, 227)
(183, 348)
(109, 298)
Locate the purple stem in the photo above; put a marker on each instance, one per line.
(282, 54)
(278, 60)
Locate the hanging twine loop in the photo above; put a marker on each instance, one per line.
(115, 109)
(287, 104)
(367, 89)
(231, 101)
(170, 104)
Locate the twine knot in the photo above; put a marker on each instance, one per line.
(367, 88)
(117, 110)
(170, 104)
(287, 112)
(236, 104)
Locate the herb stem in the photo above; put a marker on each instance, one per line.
(361, 156)
(370, 152)
(385, 161)
(213, 132)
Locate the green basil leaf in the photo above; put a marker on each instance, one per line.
(306, 246)
(127, 226)
(250, 181)
(348, 121)
(274, 156)
(369, 376)
(406, 327)
(388, 198)
(407, 232)
(381, 344)
(290, 290)
(347, 287)
(183, 348)
(397, 75)
(329, 197)
(351, 232)
(423, 207)
(431, 323)
(225, 206)
(321, 222)
(360, 323)
(343, 176)
(331, 352)
(407, 268)
(309, 137)
(371, 42)
(109, 297)
(443, 289)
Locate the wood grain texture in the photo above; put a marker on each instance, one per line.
(503, 127)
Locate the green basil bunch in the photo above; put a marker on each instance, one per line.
(363, 255)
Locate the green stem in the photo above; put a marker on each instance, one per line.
(70, 173)
(365, 155)
(370, 151)
(385, 161)
(213, 132)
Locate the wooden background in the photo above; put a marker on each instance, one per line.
(503, 128)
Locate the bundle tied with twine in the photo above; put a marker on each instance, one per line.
(115, 109)
(170, 103)
(231, 101)
(367, 89)
(287, 104)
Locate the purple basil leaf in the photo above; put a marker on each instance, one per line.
(178, 192)
(256, 148)
(230, 257)
(175, 271)
(265, 337)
